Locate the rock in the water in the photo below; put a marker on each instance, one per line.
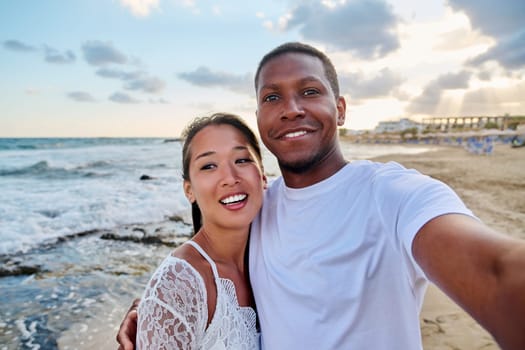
(145, 177)
(18, 268)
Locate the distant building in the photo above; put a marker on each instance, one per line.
(445, 124)
(396, 126)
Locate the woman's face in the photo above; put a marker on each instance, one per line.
(226, 178)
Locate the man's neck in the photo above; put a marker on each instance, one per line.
(317, 173)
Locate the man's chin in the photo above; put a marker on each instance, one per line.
(297, 167)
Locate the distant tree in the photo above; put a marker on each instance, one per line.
(515, 121)
(411, 131)
(491, 125)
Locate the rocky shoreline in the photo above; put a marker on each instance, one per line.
(171, 233)
(80, 285)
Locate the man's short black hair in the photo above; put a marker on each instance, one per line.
(297, 47)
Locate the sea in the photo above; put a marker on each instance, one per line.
(52, 188)
(59, 196)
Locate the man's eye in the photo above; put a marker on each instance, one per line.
(309, 92)
(271, 98)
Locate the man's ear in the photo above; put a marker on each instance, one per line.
(188, 191)
(341, 110)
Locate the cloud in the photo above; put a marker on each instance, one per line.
(136, 80)
(53, 56)
(204, 77)
(19, 46)
(457, 39)
(366, 28)
(502, 21)
(118, 74)
(120, 97)
(452, 80)
(509, 52)
(427, 102)
(140, 8)
(495, 101)
(361, 87)
(98, 53)
(146, 84)
(81, 96)
(491, 17)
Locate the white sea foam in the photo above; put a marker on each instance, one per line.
(85, 188)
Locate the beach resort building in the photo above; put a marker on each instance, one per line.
(396, 126)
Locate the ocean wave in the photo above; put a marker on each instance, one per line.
(9, 144)
(42, 169)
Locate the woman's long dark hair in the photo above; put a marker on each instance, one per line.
(189, 133)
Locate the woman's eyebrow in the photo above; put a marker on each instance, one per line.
(209, 153)
(205, 154)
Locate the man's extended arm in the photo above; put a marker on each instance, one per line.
(481, 270)
(127, 333)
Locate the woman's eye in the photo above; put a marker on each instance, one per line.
(244, 160)
(207, 166)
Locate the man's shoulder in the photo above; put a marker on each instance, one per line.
(379, 169)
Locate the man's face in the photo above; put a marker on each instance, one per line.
(297, 112)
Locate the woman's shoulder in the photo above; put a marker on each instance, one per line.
(176, 268)
(176, 279)
(192, 257)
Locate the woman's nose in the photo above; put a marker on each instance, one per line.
(230, 175)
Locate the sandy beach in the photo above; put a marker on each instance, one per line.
(492, 187)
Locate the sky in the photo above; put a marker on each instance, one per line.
(145, 68)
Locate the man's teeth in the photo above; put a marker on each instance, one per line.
(233, 199)
(295, 134)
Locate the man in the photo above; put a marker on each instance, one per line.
(341, 253)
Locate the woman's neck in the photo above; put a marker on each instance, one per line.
(224, 246)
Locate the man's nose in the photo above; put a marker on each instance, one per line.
(292, 108)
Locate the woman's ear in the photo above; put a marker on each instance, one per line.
(188, 192)
(265, 180)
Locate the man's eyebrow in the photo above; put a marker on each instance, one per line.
(308, 79)
(269, 87)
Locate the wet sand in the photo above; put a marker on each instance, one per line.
(493, 187)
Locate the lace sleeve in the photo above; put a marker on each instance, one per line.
(173, 312)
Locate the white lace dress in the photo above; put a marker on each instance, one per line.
(173, 311)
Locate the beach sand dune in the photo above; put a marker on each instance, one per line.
(493, 187)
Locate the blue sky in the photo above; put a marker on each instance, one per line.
(147, 67)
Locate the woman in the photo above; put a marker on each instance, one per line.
(200, 296)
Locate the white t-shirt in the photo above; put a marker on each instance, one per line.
(173, 311)
(331, 265)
